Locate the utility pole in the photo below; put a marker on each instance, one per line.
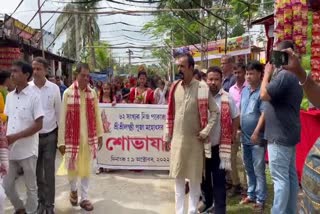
(77, 37)
(172, 57)
(41, 28)
(201, 33)
(130, 52)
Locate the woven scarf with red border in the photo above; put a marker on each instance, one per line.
(226, 136)
(73, 129)
(203, 94)
(4, 152)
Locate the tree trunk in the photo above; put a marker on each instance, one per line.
(91, 43)
(77, 36)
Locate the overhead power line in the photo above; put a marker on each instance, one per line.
(144, 2)
(95, 1)
(131, 47)
(111, 1)
(27, 25)
(121, 30)
(191, 16)
(45, 25)
(65, 24)
(124, 11)
(123, 23)
(128, 37)
(15, 10)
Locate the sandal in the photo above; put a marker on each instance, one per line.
(86, 205)
(20, 211)
(73, 198)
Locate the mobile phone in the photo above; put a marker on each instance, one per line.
(279, 58)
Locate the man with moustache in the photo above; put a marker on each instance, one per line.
(221, 138)
(188, 127)
(51, 103)
(80, 134)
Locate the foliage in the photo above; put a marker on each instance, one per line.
(103, 56)
(80, 30)
(184, 28)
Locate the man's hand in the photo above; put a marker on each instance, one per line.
(62, 150)
(268, 69)
(137, 101)
(12, 138)
(99, 143)
(114, 103)
(202, 137)
(255, 138)
(293, 63)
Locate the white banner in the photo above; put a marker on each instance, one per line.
(133, 137)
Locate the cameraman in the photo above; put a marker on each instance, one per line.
(310, 177)
(283, 94)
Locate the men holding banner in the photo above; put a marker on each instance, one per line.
(80, 133)
(188, 127)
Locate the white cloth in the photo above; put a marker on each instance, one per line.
(2, 197)
(29, 166)
(51, 104)
(194, 195)
(84, 183)
(23, 109)
(160, 96)
(216, 130)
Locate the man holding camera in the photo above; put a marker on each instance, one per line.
(283, 94)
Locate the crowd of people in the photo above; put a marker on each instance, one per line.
(260, 102)
(212, 115)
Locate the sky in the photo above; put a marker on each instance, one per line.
(114, 34)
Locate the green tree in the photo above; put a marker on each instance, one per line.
(81, 30)
(184, 28)
(103, 56)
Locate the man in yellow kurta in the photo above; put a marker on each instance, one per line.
(80, 133)
(188, 127)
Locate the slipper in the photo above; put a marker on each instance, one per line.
(86, 205)
(73, 198)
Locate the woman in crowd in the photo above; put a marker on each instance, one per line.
(160, 93)
(141, 94)
(98, 87)
(118, 86)
(107, 94)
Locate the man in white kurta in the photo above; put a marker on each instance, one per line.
(188, 138)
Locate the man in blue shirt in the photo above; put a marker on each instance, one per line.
(282, 130)
(254, 149)
(62, 87)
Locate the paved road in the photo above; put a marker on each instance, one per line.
(119, 192)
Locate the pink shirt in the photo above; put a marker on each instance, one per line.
(235, 93)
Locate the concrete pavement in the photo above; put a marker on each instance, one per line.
(118, 192)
